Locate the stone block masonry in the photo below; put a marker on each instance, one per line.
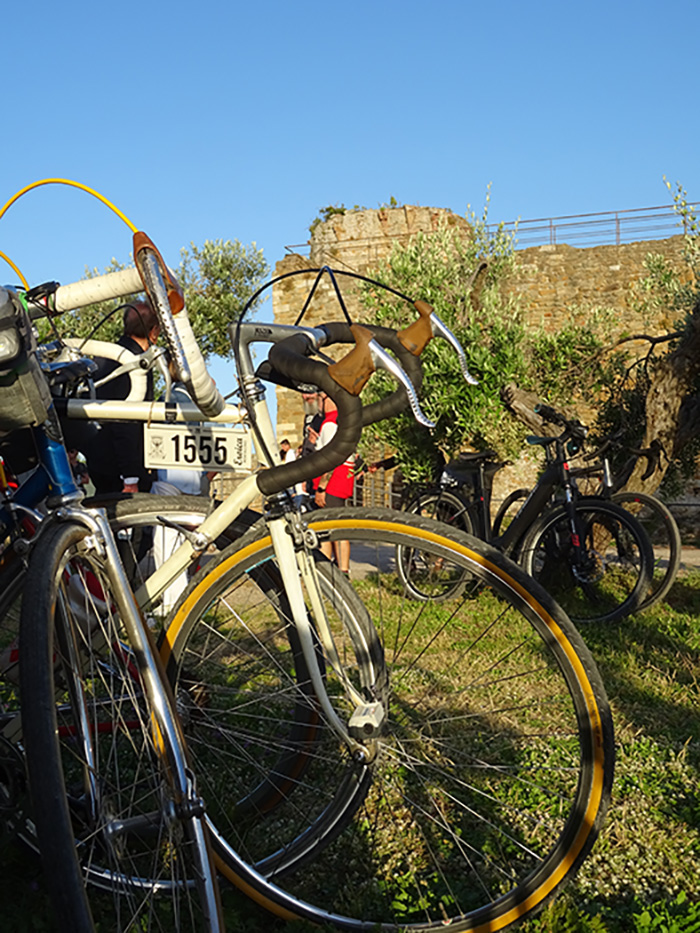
(549, 281)
(554, 280)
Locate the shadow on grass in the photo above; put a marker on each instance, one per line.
(26, 907)
(650, 665)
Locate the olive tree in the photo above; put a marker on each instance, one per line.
(218, 278)
(462, 277)
(657, 403)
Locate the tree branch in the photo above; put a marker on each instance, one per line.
(522, 405)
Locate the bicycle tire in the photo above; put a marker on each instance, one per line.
(417, 571)
(103, 801)
(133, 519)
(14, 793)
(614, 577)
(492, 774)
(506, 509)
(661, 527)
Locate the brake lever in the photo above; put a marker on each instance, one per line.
(417, 335)
(383, 360)
(440, 329)
(353, 371)
(146, 360)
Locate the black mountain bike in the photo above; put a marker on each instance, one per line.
(654, 516)
(592, 555)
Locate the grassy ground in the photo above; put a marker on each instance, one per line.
(644, 871)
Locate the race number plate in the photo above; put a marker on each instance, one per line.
(197, 447)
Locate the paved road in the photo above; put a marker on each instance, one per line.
(690, 558)
(363, 559)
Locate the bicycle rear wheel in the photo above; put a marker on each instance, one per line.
(104, 804)
(490, 775)
(507, 510)
(605, 578)
(662, 530)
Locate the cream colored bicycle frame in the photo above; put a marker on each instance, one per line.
(297, 569)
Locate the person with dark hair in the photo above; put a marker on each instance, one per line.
(116, 454)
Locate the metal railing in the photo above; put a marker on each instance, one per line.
(601, 229)
(607, 228)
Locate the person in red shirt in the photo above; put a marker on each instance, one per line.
(333, 489)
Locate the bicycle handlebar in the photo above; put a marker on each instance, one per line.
(574, 427)
(407, 372)
(152, 275)
(62, 298)
(290, 357)
(342, 381)
(651, 453)
(339, 332)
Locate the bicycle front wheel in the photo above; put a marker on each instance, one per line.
(598, 571)
(490, 774)
(104, 804)
(422, 576)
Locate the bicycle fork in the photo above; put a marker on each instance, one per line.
(292, 543)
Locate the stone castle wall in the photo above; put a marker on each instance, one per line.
(549, 281)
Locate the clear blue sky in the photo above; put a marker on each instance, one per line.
(241, 120)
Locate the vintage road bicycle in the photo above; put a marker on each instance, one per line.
(435, 760)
